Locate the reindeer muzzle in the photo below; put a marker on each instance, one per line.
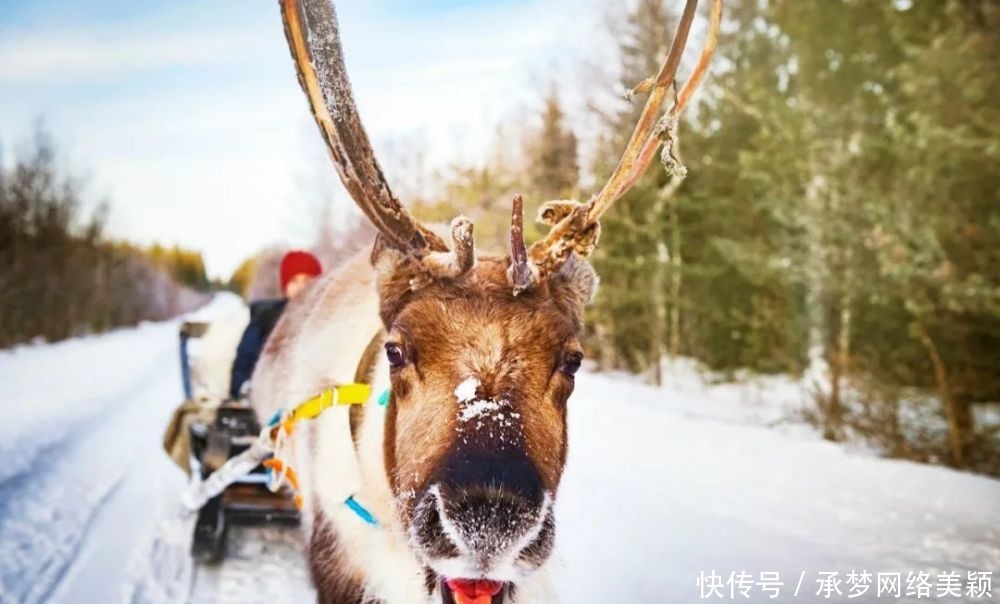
(484, 520)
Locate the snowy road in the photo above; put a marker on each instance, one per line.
(661, 486)
(80, 429)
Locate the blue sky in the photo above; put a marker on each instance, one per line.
(187, 116)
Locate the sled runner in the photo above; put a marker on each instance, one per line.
(216, 436)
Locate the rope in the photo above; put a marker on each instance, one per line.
(272, 448)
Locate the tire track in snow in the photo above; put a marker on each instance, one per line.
(47, 508)
(52, 574)
(52, 392)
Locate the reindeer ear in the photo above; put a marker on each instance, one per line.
(395, 273)
(573, 286)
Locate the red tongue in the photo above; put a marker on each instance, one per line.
(474, 591)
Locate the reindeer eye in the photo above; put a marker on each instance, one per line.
(572, 363)
(395, 355)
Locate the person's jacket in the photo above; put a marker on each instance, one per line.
(264, 314)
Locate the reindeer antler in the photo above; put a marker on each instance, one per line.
(313, 35)
(314, 40)
(575, 226)
(520, 272)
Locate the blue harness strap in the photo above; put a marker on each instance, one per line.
(360, 510)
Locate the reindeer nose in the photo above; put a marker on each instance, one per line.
(485, 508)
(509, 473)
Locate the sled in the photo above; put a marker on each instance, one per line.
(232, 429)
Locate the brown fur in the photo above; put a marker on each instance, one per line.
(333, 586)
(475, 325)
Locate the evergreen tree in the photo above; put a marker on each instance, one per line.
(553, 169)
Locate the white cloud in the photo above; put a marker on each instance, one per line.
(75, 56)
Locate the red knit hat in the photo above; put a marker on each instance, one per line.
(297, 262)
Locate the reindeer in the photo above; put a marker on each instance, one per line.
(457, 473)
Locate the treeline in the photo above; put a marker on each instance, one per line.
(841, 219)
(60, 275)
(186, 267)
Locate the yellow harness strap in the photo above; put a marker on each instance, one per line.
(283, 425)
(347, 394)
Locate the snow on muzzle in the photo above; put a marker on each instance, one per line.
(484, 519)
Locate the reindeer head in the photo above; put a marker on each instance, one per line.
(482, 348)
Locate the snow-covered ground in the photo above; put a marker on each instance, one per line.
(663, 486)
(83, 473)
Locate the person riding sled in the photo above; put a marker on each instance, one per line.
(298, 268)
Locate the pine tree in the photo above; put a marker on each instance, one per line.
(553, 170)
(935, 237)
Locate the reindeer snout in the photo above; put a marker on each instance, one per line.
(508, 472)
(485, 516)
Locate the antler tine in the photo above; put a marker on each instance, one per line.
(314, 40)
(520, 272)
(665, 136)
(646, 127)
(460, 259)
(577, 230)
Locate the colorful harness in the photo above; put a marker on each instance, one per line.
(282, 426)
(271, 450)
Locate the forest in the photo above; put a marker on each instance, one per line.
(840, 220)
(62, 275)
